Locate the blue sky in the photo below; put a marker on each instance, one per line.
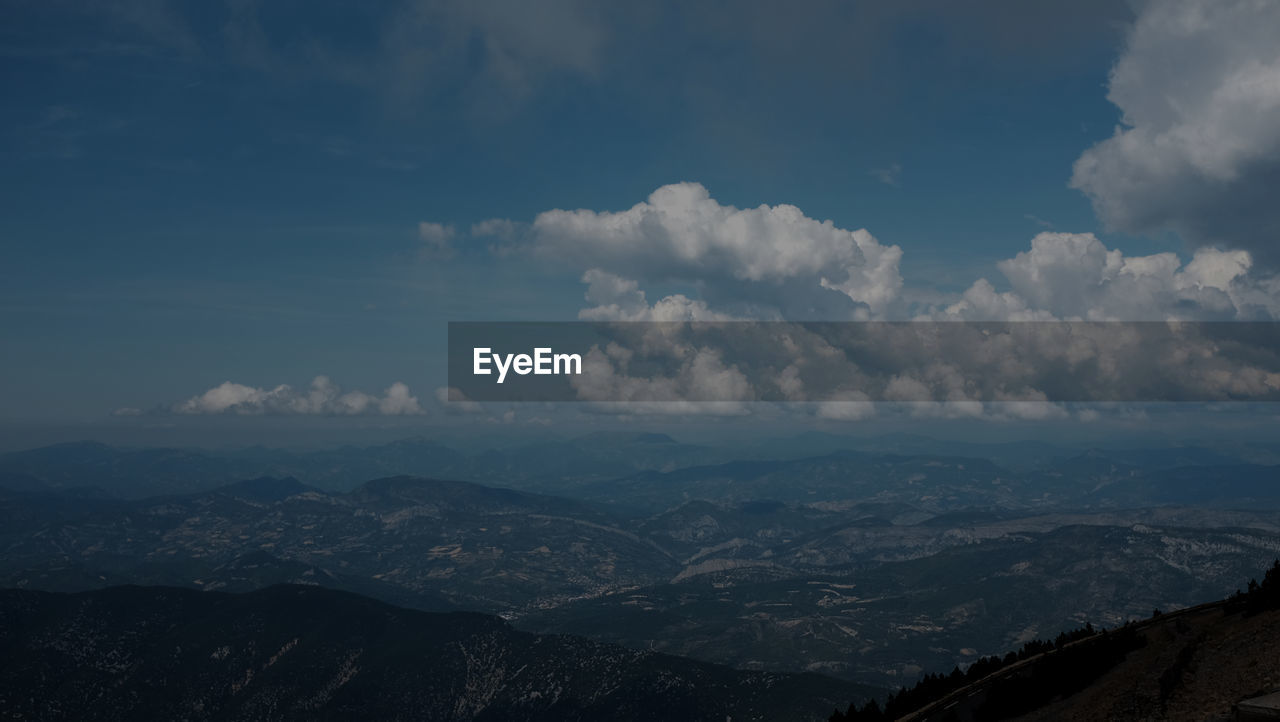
(196, 193)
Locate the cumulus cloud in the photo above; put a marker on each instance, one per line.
(323, 398)
(1075, 276)
(501, 228)
(456, 402)
(398, 401)
(437, 238)
(619, 299)
(1199, 149)
(702, 376)
(768, 261)
(775, 263)
(957, 366)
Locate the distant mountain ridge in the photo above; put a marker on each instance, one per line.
(564, 467)
(139, 473)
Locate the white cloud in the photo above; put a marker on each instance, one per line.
(620, 299)
(769, 261)
(456, 402)
(437, 238)
(1075, 276)
(322, 398)
(701, 375)
(1199, 151)
(501, 228)
(398, 401)
(775, 263)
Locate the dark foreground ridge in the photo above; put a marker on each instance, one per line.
(301, 652)
(1194, 664)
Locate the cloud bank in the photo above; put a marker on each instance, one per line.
(776, 263)
(1074, 276)
(902, 362)
(323, 398)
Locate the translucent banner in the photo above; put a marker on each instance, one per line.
(1068, 361)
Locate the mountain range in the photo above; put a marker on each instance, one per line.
(894, 565)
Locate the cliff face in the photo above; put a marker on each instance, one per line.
(295, 652)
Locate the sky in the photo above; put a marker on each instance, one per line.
(204, 201)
